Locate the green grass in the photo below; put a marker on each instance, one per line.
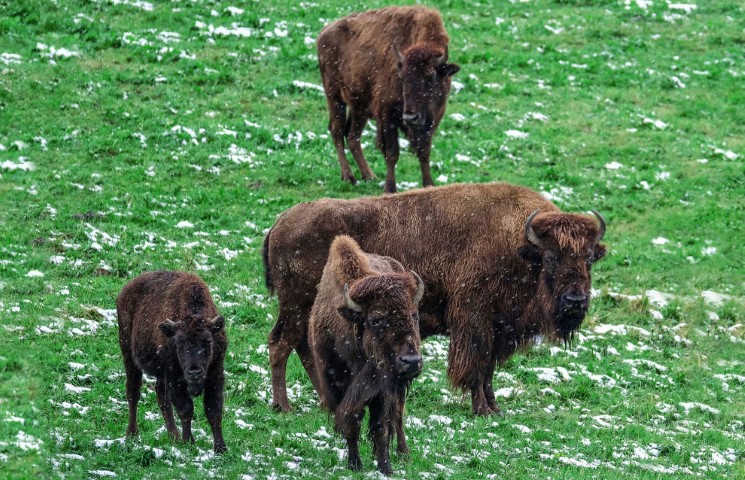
(138, 132)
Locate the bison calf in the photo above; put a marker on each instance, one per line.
(389, 64)
(364, 336)
(169, 328)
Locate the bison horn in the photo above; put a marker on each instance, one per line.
(419, 288)
(397, 53)
(443, 58)
(529, 233)
(351, 304)
(601, 231)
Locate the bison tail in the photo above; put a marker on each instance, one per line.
(267, 268)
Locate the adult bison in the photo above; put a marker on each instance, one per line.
(388, 64)
(364, 335)
(501, 264)
(169, 328)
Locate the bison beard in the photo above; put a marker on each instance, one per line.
(507, 266)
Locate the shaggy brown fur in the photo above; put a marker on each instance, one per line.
(169, 328)
(487, 286)
(388, 64)
(366, 353)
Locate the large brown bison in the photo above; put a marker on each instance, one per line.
(169, 328)
(388, 64)
(501, 264)
(364, 336)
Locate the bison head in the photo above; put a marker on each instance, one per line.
(193, 338)
(385, 308)
(426, 77)
(561, 248)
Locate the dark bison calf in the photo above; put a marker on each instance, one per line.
(364, 335)
(169, 328)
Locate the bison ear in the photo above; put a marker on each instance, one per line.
(530, 254)
(600, 251)
(217, 324)
(448, 70)
(168, 328)
(351, 316)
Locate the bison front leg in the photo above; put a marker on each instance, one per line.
(348, 423)
(423, 148)
(164, 403)
(380, 435)
(388, 138)
(134, 386)
(185, 408)
(213, 405)
(470, 356)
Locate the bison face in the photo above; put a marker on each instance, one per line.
(561, 249)
(426, 79)
(193, 339)
(385, 307)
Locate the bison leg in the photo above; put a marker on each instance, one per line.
(337, 127)
(398, 415)
(356, 125)
(134, 385)
(389, 144)
(379, 434)
(213, 405)
(351, 432)
(470, 358)
(489, 389)
(479, 403)
(423, 146)
(164, 403)
(185, 408)
(279, 351)
(306, 357)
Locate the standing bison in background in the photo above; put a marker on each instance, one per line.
(500, 263)
(388, 64)
(169, 328)
(364, 336)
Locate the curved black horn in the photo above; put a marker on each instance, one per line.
(529, 233)
(601, 231)
(351, 304)
(419, 288)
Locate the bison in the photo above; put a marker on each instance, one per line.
(169, 328)
(364, 337)
(391, 65)
(501, 265)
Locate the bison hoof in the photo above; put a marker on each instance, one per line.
(349, 178)
(281, 407)
(485, 411)
(220, 448)
(355, 464)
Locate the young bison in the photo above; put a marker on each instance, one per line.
(364, 334)
(169, 328)
(388, 64)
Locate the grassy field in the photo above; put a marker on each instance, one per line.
(140, 135)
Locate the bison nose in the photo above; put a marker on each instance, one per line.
(194, 371)
(574, 300)
(410, 118)
(410, 364)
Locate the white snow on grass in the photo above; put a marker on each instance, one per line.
(613, 166)
(308, 85)
(516, 134)
(70, 388)
(23, 164)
